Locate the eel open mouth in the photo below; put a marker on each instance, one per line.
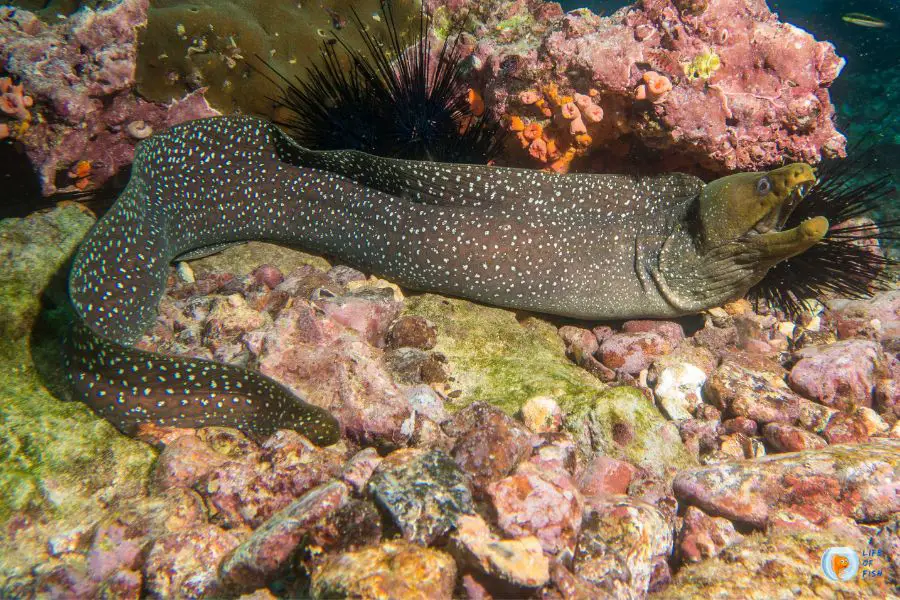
(775, 219)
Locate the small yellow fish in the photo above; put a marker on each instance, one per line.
(864, 20)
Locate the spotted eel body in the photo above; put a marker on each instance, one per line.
(590, 246)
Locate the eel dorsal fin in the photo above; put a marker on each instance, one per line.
(479, 186)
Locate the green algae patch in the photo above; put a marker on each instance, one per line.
(624, 424)
(56, 458)
(34, 250)
(494, 358)
(243, 258)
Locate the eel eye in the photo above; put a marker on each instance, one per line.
(763, 186)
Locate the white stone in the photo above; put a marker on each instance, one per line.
(678, 390)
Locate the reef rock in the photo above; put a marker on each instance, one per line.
(714, 86)
(85, 120)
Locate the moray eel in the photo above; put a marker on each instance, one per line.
(580, 245)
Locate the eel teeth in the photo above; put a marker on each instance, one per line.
(776, 219)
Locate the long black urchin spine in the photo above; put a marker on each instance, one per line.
(389, 99)
(848, 262)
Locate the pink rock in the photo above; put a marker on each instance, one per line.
(740, 425)
(846, 429)
(876, 318)
(258, 558)
(342, 275)
(840, 374)
(120, 540)
(604, 475)
(631, 353)
(474, 589)
(333, 367)
(556, 451)
(184, 462)
(673, 332)
(115, 546)
(539, 502)
(519, 562)
(758, 333)
(570, 585)
(787, 438)
(302, 281)
(859, 481)
(489, 443)
(185, 564)
(887, 396)
(702, 536)
(267, 275)
(583, 347)
(357, 471)
(699, 436)
(752, 386)
(248, 492)
(371, 319)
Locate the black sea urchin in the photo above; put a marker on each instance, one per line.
(389, 100)
(847, 262)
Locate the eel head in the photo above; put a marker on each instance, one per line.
(748, 210)
(736, 236)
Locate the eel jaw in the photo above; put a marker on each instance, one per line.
(776, 246)
(775, 219)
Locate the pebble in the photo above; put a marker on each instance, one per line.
(603, 476)
(423, 491)
(259, 558)
(631, 353)
(247, 492)
(678, 390)
(702, 536)
(357, 471)
(753, 386)
(183, 564)
(539, 502)
(489, 443)
(412, 332)
(840, 375)
(392, 569)
(788, 438)
(520, 562)
(620, 543)
(541, 414)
